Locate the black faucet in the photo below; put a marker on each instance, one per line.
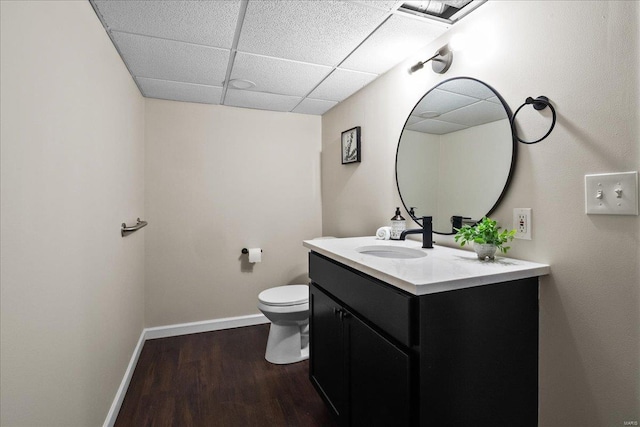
(426, 230)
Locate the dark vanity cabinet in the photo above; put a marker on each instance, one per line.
(363, 376)
(361, 369)
(328, 366)
(380, 356)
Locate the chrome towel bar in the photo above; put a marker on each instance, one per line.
(124, 230)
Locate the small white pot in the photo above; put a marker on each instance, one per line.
(485, 251)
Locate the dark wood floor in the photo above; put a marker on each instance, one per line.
(219, 379)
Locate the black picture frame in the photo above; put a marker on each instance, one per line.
(349, 153)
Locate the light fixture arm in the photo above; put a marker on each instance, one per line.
(441, 61)
(420, 64)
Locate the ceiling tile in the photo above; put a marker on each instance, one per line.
(476, 114)
(435, 127)
(441, 102)
(211, 23)
(341, 84)
(260, 100)
(170, 60)
(398, 38)
(176, 91)
(180, 49)
(468, 87)
(386, 5)
(314, 106)
(278, 75)
(319, 32)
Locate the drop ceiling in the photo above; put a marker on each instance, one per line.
(303, 56)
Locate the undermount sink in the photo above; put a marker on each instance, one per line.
(389, 251)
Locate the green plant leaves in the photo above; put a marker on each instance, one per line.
(486, 231)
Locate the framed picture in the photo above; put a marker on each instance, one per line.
(351, 145)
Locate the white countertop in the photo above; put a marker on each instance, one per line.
(443, 269)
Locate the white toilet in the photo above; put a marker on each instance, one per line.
(287, 307)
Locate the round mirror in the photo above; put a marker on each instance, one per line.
(456, 154)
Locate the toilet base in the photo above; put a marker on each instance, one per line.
(287, 343)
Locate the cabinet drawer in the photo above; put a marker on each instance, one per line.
(389, 309)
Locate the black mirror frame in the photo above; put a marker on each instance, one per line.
(513, 157)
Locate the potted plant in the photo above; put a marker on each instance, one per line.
(486, 237)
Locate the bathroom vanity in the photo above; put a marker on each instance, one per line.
(435, 340)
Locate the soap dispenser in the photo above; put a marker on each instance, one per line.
(398, 225)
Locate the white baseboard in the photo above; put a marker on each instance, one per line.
(124, 385)
(204, 326)
(173, 331)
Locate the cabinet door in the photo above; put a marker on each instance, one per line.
(379, 377)
(479, 356)
(327, 361)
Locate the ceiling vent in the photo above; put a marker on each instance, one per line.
(445, 11)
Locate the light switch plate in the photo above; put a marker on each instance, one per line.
(611, 193)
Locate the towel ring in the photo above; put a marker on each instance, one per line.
(540, 103)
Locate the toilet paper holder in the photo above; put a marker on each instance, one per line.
(246, 251)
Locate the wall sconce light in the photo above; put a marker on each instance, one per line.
(440, 62)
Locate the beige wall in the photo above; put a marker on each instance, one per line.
(219, 179)
(584, 57)
(72, 159)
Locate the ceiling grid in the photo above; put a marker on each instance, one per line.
(302, 56)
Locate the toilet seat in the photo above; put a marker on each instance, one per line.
(285, 296)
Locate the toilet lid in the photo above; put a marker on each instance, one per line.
(285, 295)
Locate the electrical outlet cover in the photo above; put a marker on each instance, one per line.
(522, 223)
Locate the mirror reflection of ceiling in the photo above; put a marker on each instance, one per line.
(295, 56)
(445, 174)
(455, 105)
